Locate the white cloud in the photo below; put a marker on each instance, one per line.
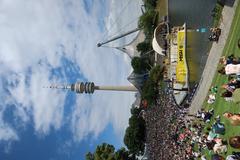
(35, 36)
(47, 106)
(7, 133)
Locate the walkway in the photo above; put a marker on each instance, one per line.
(213, 59)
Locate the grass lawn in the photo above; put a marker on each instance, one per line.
(221, 106)
(217, 15)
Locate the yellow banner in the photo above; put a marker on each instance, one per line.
(181, 69)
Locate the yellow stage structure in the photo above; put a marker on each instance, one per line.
(181, 69)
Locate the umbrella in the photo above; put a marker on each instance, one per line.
(236, 96)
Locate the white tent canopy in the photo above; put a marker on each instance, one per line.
(155, 44)
(156, 47)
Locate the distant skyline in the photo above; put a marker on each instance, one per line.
(46, 42)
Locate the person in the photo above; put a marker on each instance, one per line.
(206, 116)
(228, 87)
(219, 147)
(235, 142)
(236, 155)
(217, 157)
(232, 157)
(232, 69)
(210, 145)
(211, 135)
(234, 118)
(227, 95)
(211, 99)
(216, 32)
(234, 83)
(214, 89)
(211, 38)
(229, 60)
(218, 128)
(222, 71)
(203, 157)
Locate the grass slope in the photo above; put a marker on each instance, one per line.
(221, 106)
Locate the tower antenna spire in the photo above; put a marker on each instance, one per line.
(58, 86)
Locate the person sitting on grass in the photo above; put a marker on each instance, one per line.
(227, 96)
(230, 69)
(232, 157)
(234, 83)
(211, 135)
(218, 127)
(230, 88)
(203, 157)
(233, 118)
(206, 116)
(220, 146)
(229, 60)
(236, 155)
(214, 89)
(217, 157)
(235, 142)
(211, 99)
(210, 144)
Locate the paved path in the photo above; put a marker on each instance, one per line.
(213, 59)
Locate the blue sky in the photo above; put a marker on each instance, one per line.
(48, 42)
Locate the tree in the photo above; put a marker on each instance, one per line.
(135, 136)
(144, 47)
(150, 87)
(135, 111)
(156, 74)
(149, 91)
(123, 154)
(150, 4)
(139, 65)
(104, 152)
(107, 152)
(89, 156)
(146, 21)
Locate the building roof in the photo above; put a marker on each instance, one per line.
(138, 79)
(156, 47)
(159, 40)
(131, 48)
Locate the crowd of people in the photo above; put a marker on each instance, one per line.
(166, 130)
(231, 68)
(174, 134)
(215, 34)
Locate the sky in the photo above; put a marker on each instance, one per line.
(54, 41)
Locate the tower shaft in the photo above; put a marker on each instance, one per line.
(117, 88)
